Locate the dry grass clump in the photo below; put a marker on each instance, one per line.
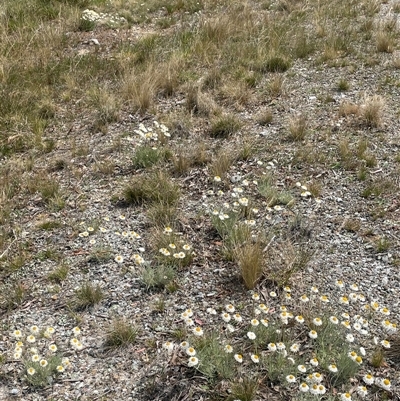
(224, 126)
(352, 225)
(200, 103)
(343, 85)
(107, 108)
(139, 89)
(393, 353)
(264, 117)
(285, 259)
(222, 162)
(347, 108)
(87, 296)
(384, 42)
(276, 85)
(396, 62)
(250, 259)
(237, 93)
(59, 274)
(372, 110)
(16, 295)
(154, 188)
(120, 334)
(298, 128)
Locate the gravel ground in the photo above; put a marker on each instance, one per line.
(144, 370)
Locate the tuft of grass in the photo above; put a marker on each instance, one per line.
(347, 108)
(139, 89)
(162, 213)
(181, 163)
(250, 259)
(87, 296)
(221, 163)
(50, 253)
(245, 389)
(99, 254)
(393, 352)
(274, 63)
(48, 189)
(120, 334)
(384, 42)
(315, 188)
(352, 225)
(347, 159)
(285, 259)
(298, 229)
(276, 85)
(264, 117)
(59, 274)
(298, 128)
(377, 188)
(234, 237)
(273, 197)
(372, 110)
(362, 173)
(382, 244)
(199, 103)
(377, 358)
(159, 305)
(107, 108)
(49, 225)
(343, 85)
(152, 188)
(16, 295)
(224, 126)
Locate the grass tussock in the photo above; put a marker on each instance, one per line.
(250, 259)
(152, 188)
(372, 110)
(221, 163)
(286, 259)
(120, 334)
(298, 128)
(224, 126)
(88, 295)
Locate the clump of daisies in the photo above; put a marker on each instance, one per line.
(98, 237)
(311, 343)
(94, 18)
(157, 132)
(40, 353)
(171, 248)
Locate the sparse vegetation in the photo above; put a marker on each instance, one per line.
(249, 159)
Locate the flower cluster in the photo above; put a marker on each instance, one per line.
(175, 250)
(268, 336)
(158, 133)
(102, 18)
(39, 351)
